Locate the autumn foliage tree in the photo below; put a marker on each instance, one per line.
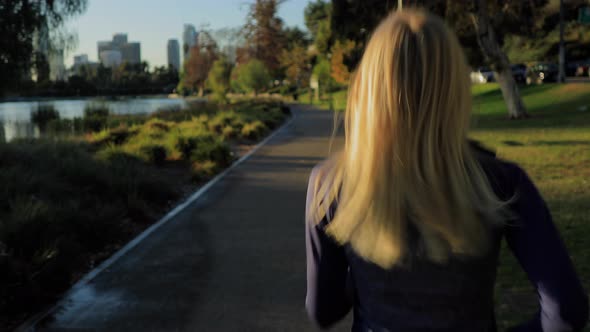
(264, 34)
(341, 50)
(296, 65)
(198, 65)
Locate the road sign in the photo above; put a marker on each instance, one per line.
(584, 15)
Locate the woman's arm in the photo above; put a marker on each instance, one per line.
(327, 268)
(535, 242)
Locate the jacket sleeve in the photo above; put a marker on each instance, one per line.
(535, 242)
(327, 299)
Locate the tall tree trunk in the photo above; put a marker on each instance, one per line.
(486, 38)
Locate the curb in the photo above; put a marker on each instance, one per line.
(29, 326)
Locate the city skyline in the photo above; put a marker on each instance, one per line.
(152, 24)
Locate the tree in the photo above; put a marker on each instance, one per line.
(318, 17)
(492, 50)
(340, 51)
(295, 37)
(219, 78)
(196, 68)
(264, 34)
(19, 20)
(252, 76)
(482, 31)
(296, 64)
(321, 71)
(489, 23)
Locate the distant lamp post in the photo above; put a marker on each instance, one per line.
(561, 74)
(331, 100)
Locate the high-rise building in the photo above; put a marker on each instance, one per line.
(111, 58)
(174, 54)
(57, 68)
(189, 39)
(120, 39)
(80, 59)
(130, 51)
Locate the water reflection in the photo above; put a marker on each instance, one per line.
(15, 117)
(13, 130)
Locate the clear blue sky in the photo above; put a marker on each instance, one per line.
(153, 22)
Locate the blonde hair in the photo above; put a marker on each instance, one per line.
(406, 157)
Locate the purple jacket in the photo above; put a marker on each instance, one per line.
(424, 296)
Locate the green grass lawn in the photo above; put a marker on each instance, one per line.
(553, 146)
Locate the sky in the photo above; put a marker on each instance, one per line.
(153, 22)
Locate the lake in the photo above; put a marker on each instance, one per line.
(15, 117)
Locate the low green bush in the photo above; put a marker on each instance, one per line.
(254, 130)
(95, 117)
(203, 170)
(59, 206)
(216, 151)
(229, 133)
(116, 136)
(43, 115)
(155, 154)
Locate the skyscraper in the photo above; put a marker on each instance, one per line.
(189, 39)
(57, 68)
(174, 54)
(111, 58)
(130, 51)
(81, 59)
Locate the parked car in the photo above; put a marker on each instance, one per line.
(482, 75)
(519, 72)
(542, 73)
(577, 68)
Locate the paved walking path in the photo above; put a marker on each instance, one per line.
(232, 261)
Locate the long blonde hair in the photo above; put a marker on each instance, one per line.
(406, 157)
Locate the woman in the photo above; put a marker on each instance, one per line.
(404, 225)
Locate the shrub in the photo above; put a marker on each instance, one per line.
(216, 125)
(229, 132)
(59, 207)
(116, 136)
(254, 130)
(155, 154)
(43, 115)
(216, 151)
(95, 117)
(119, 135)
(185, 145)
(203, 170)
(158, 125)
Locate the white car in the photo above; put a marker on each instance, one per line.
(482, 75)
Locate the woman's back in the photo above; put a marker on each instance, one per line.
(404, 225)
(421, 295)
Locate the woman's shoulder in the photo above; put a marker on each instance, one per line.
(504, 175)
